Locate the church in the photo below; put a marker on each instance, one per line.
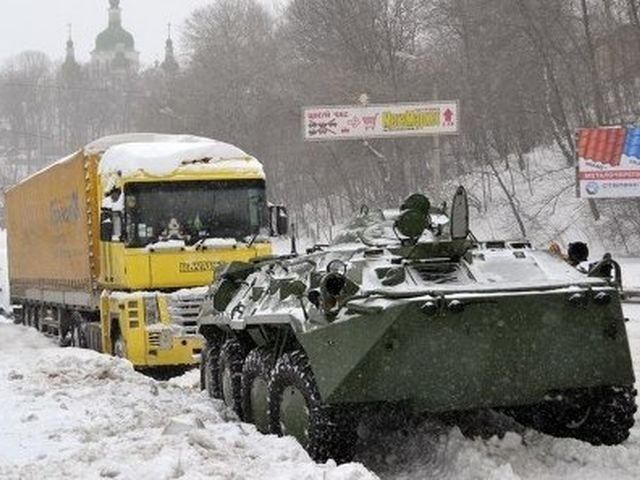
(115, 51)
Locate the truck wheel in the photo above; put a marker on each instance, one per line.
(120, 347)
(210, 369)
(296, 409)
(78, 331)
(256, 373)
(601, 416)
(232, 356)
(27, 315)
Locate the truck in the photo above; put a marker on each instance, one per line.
(408, 311)
(112, 247)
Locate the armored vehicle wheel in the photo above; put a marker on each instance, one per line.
(210, 369)
(255, 387)
(230, 364)
(602, 416)
(296, 409)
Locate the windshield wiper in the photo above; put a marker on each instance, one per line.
(253, 239)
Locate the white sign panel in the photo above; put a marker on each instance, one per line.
(380, 121)
(609, 162)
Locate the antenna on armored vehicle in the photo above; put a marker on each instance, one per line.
(460, 215)
(294, 248)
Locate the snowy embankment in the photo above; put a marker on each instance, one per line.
(545, 197)
(74, 414)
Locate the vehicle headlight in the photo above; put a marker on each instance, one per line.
(151, 311)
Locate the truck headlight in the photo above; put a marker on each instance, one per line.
(151, 311)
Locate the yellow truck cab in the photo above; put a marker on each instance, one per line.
(124, 237)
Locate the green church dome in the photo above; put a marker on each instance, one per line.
(114, 36)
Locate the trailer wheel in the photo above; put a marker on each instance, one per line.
(296, 409)
(210, 368)
(256, 373)
(231, 360)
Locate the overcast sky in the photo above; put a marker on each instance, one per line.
(42, 24)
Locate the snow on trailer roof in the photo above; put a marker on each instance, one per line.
(159, 154)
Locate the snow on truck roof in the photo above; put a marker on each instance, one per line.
(105, 143)
(163, 154)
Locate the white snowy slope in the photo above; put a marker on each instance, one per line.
(74, 414)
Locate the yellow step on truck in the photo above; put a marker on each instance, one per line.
(113, 247)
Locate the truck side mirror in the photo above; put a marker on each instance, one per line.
(106, 226)
(282, 220)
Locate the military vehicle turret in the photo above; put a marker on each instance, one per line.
(406, 308)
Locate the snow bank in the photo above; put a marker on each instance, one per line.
(75, 414)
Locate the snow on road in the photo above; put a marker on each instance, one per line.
(75, 414)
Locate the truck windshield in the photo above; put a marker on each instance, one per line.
(194, 210)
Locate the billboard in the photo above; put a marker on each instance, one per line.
(609, 162)
(380, 121)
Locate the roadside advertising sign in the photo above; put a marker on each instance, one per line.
(380, 121)
(609, 162)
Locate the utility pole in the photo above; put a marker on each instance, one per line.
(436, 163)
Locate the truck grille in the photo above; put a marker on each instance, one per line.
(184, 309)
(154, 339)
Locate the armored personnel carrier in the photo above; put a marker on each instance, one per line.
(407, 309)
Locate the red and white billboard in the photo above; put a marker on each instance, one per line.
(609, 162)
(380, 121)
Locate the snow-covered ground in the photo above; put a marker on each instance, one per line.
(74, 414)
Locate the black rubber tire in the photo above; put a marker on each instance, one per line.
(602, 416)
(232, 355)
(257, 366)
(203, 363)
(332, 430)
(210, 369)
(27, 316)
(78, 331)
